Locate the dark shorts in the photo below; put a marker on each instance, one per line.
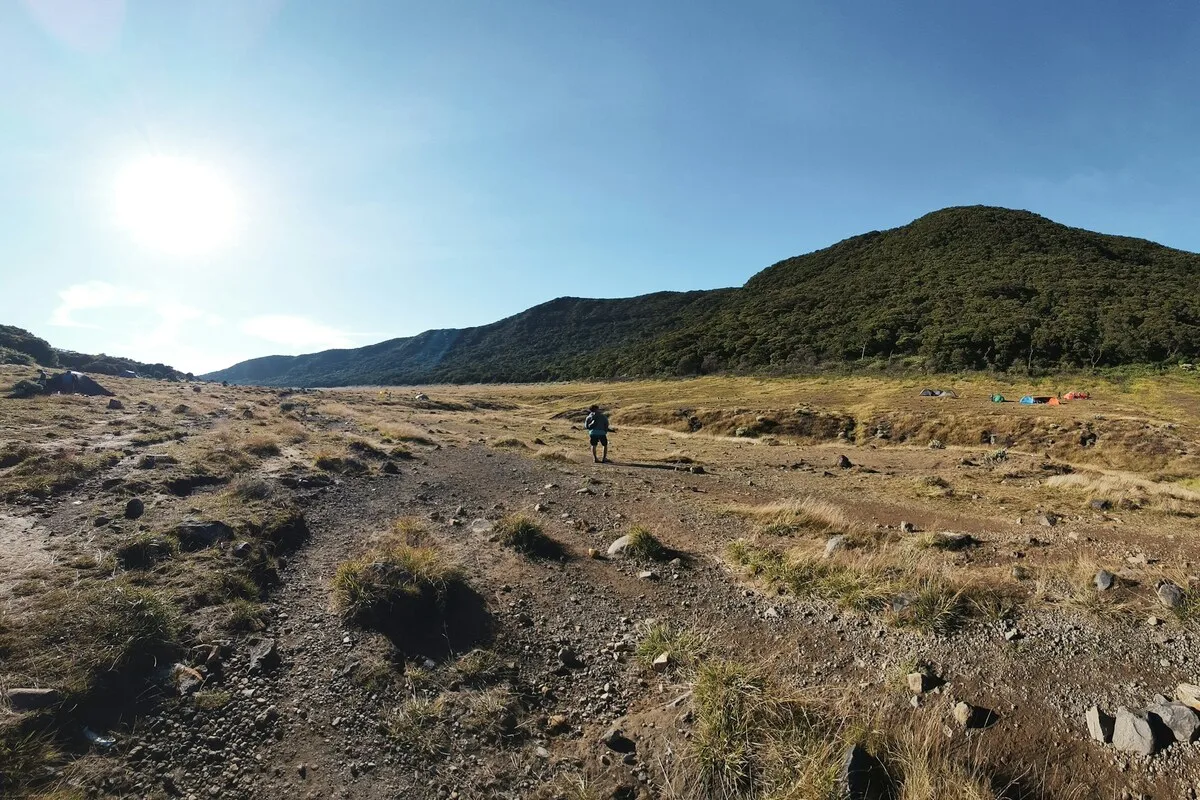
(600, 439)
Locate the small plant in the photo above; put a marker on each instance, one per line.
(247, 488)
(996, 457)
(261, 445)
(685, 646)
(211, 700)
(365, 449)
(415, 724)
(147, 549)
(392, 584)
(245, 616)
(510, 443)
(13, 453)
(480, 667)
(644, 546)
(527, 537)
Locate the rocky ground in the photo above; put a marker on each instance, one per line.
(531, 685)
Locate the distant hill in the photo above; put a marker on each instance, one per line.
(965, 288)
(19, 346)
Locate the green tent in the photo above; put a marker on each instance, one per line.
(997, 398)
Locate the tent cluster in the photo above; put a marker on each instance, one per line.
(1031, 399)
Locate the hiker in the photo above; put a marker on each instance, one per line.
(597, 428)
(42, 378)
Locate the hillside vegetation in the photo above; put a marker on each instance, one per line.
(959, 289)
(19, 346)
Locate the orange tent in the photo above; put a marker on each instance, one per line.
(1053, 401)
(1075, 396)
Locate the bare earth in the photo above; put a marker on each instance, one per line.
(1048, 495)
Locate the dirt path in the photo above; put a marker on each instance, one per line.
(313, 727)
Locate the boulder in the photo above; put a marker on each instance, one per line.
(115, 404)
(32, 699)
(1180, 720)
(198, 534)
(1132, 733)
(843, 463)
(1170, 595)
(862, 776)
(1100, 725)
(1104, 580)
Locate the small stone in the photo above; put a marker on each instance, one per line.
(1048, 520)
(101, 520)
(542, 753)
(1104, 580)
(567, 657)
(963, 714)
(834, 544)
(843, 463)
(115, 404)
(264, 656)
(648, 575)
(1100, 505)
(619, 546)
(919, 682)
(1100, 725)
(1170, 595)
(1132, 733)
(1189, 695)
(907, 527)
(663, 662)
(1020, 573)
(482, 527)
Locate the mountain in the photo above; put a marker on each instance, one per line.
(963, 288)
(19, 346)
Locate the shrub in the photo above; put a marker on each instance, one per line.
(25, 388)
(390, 581)
(527, 537)
(644, 546)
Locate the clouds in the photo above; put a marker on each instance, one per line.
(298, 332)
(154, 326)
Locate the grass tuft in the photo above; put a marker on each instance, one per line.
(645, 546)
(526, 536)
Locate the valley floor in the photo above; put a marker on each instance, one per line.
(823, 542)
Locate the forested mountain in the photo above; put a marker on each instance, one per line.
(962, 288)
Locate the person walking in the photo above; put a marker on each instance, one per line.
(597, 428)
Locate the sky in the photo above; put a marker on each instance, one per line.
(203, 182)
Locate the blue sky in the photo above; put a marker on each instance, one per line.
(401, 166)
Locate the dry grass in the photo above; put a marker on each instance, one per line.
(391, 579)
(645, 546)
(789, 517)
(1124, 488)
(685, 646)
(525, 535)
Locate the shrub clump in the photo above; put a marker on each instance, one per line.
(526, 537)
(645, 546)
(391, 582)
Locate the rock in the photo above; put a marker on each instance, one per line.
(616, 740)
(101, 520)
(618, 547)
(115, 404)
(1170, 595)
(264, 656)
(663, 662)
(197, 535)
(1100, 505)
(558, 723)
(970, 716)
(862, 776)
(1104, 580)
(1020, 573)
(1179, 719)
(919, 682)
(482, 527)
(567, 657)
(834, 544)
(541, 752)
(843, 463)
(187, 680)
(1132, 733)
(648, 575)
(390, 468)
(1047, 520)
(1189, 695)
(1100, 725)
(32, 699)
(135, 508)
(696, 469)
(908, 527)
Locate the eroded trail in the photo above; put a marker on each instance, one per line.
(323, 721)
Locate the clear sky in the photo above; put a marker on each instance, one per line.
(202, 182)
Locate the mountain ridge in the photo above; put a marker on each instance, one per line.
(961, 288)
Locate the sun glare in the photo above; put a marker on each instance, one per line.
(176, 206)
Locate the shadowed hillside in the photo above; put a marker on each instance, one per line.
(962, 288)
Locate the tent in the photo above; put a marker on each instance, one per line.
(72, 382)
(1030, 400)
(937, 393)
(998, 398)
(1076, 396)
(128, 373)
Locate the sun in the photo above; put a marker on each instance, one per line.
(176, 206)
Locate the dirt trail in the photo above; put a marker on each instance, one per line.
(311, 728)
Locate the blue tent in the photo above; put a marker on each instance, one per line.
(1028, 400)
